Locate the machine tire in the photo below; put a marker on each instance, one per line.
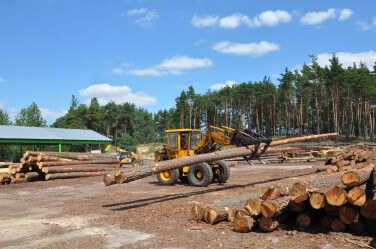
(200, 175)
(168, 177)
(136, 162)
(222, 172)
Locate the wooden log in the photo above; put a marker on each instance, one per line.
(274, 192)
(197, 213)
(337, 225)
(147, 169)
(31, 160)
(368, 210)
(241, 213)
(336, 196)
(343, 163)
(297, 190)
(4, 176)
(109, 179)
(268, 224)
(212, 216)
(89, 162)
(348, 214)
(357, 196)
(32, 176)
(72, 175)
(298, 207)
(331, 169)
(230, 214)
(320, 168)
(271, 208)
(18, 180)
(301, 139)
(356, 178)
(79, 168)
(317, 200)
(253, 207)
(20, 175)
(243, 224)
(45, 158)
(304, 220)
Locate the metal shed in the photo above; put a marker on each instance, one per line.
(49, 136)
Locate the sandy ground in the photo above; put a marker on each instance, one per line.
(83, 213)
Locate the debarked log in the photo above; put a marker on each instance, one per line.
(80, 168)
(73, 175)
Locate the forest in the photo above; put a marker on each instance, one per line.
(311, 100)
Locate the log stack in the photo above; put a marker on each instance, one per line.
(337, 202)
(350, 158)
(44, 165)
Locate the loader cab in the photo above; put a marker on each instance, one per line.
(182, 142)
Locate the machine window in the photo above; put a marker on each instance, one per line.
(195, 139)
(173, 140)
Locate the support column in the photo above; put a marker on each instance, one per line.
(59, 147)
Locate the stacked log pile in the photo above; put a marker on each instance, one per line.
(350, 158)
(58, 165)
(337, 202)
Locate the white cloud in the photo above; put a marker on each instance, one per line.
(253, 49)
(49, 114)
(148, 72)
(134, 12)
(2, 80)
(173, 66)
(345, 14)
(315, 18)
(143, 17)
(119, 94)
(233, 21)
(2, 104)
(219, 86)
(266, 18)
(205, 20)
(347, 59)
(184, 62)
(118, 71)
(365, 26)
(271, 18)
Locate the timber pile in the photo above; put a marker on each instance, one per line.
(338, 202)
(43, 165)
(350, 158)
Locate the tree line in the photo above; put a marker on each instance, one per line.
(311, 100)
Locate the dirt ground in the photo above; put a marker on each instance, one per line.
(83, 213)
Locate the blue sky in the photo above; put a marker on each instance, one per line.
(148, 51)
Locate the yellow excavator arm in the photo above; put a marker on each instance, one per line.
(214, 138)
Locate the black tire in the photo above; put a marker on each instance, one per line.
(136, 162)
(200, 175)
(168, 177)
(221, 172)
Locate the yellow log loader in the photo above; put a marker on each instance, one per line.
(189, 142)
(126, 156)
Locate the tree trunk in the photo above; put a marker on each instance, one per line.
(78, 168)
(72, 175)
